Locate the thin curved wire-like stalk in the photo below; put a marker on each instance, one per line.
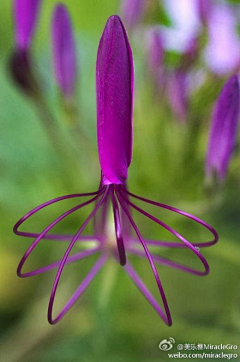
(173, 232)
(167, 262)
(71, 259)
(166, 318)
(82, 287)
(168, 244)
(178, 211)
(144, 290)
(42, 206)
(63, 262)
(118, 230)
(46, 230)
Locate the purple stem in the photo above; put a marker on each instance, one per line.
(46, 230)
(166, 318)
(167, 262)
(118, 230)
(173, 209)
(63, 262)
(73, 258)
(174, 232)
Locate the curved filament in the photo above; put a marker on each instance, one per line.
(144, 290)
(180, 212)
(173, 232)
(42, 206)
(95, 269)
(45, 231)
(78, 256)
(73, 299)
(167, 262)
(118, 231)
(166, 318)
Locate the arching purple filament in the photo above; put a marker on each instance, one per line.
(120, 198)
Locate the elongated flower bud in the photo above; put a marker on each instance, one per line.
(223, 130)
(64, 53)
(114, 78)
(25, 14)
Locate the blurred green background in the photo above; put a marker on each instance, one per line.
(112, 321)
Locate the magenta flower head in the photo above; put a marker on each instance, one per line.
(132, 12)
(223, 133)
(64, 53)
(117, 236)
(25, 14)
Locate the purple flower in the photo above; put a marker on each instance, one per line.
(223, 50)
(25, 14)
(132, 11)
(186, 24)
(178, 93)
(204, 8)
(64, 53)
(223, 133)
(155, 54)
(25, 17)
(114, 116)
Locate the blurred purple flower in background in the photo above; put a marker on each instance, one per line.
(178, 93)
(185, 21)
(64, 53)
(132, 12)
(25, 15)
(114, 78)
(204, 10)
(155, 57)
(223, 50)
(223, 133)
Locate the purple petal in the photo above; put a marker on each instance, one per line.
(204, 8)
(25, 16)
(165, 316)
(223, 133)
(168, 262)
(155, 54)
(186, 23)
(177, 211)
(178, 94)
(142, 287)
(223, 50)
(114, 78)
(132, 11)
(64, 261)
(82, 287)
(46, 230)
(64, 53)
